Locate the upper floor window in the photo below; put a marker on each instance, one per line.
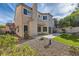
(44, 17)
(27, 12)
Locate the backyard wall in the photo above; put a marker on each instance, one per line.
(69, 30)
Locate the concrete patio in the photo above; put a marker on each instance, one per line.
(55, 49)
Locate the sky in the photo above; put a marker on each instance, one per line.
(58, 10)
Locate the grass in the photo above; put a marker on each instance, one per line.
(68, 39)
(8, 47)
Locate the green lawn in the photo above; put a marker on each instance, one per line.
(68, 39)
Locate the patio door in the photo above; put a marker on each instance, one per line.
(25, 28)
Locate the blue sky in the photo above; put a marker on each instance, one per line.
(58, 10)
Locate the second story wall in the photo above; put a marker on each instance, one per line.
(46, 19)
(19, 21)
(27, 14)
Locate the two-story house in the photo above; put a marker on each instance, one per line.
(29, 20)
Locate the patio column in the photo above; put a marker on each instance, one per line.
(48, 30)
(41, 29)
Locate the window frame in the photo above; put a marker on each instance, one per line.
(39, 27)
(44, 29)
(27, 12)
(44, 17)
(25, 29)
(24, 11)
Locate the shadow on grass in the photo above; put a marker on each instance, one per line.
(70, 37)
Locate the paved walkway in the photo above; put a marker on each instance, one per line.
(53, 50)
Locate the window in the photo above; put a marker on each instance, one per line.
(27, 12)
(25, 28)
(39, 29)
(44, 29)
(44, 17)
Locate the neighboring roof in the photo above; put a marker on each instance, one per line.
(10, 24)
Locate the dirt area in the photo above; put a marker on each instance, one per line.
(55, 49)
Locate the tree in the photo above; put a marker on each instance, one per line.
(71, 20)
(56, 22)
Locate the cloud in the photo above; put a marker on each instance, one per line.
(59, 10)
(66, 8)
(11, 6)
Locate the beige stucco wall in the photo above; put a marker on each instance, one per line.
(46, 23)
(69, 29)
(27, 20)
(32, 21)
(19, 21)
(72, 30)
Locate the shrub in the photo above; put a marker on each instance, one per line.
(24, 50)
(8, 47)
(7, 41)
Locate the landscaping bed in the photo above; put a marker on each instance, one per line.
(70, 40)
(8, 47)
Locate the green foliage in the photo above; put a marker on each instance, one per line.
(64, 23)
(9, 47)
(68, 39)
(7, 41)
(2, 26)
(24, 50)
(55, 22)
(70, 20)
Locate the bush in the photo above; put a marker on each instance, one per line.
(24, 50)
(9, 47)
(7, 41)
